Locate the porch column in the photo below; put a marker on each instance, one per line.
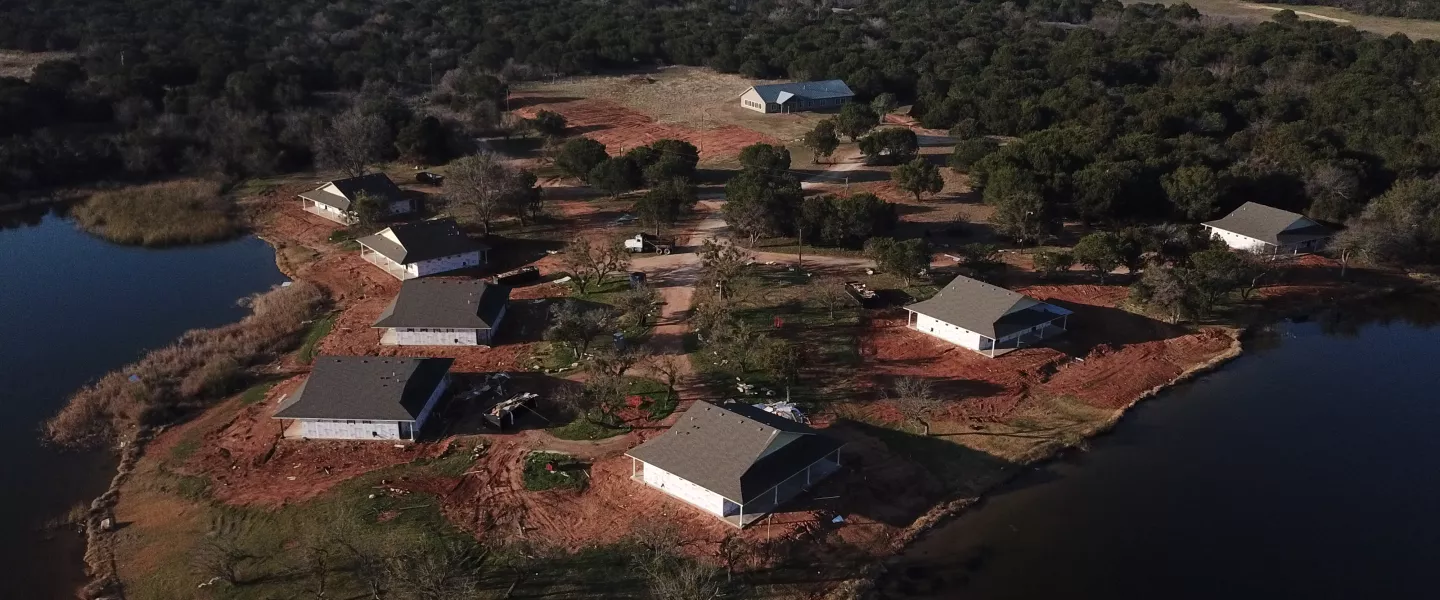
(807, 476)
(1065, 322)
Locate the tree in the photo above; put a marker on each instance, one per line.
(522, 198)
(855, 119)
(1025, 217)
(1213, 274)
(1101, 188)
(721, 264)
(1400, 227)
(636, 305)
(1165, 290)
(665, 203)
(918, 177)
(915, 398)
(589, 263)
(672, 159)
(1100, 251)
(1194, 191)
(615, 176)
(884, 104)
(1334, 191)
(967, 152)
(574, 326)
(549, 124)
(451, 572)
(830, 293)
(367, 210)
(219, 557)
(905, 258)
(578, 157)
(892, 144)
(1050, 262)
(669, 369)
(480, 188)
(782, 360)
(353, 141)
(822, 140)
(761, 201)
(424, 141)
(765, 158)
(983, 260)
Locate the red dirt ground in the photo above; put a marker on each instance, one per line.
(1122, 355)
(622, 129)
(249, 464)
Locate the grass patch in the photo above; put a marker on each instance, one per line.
(583, 428)
(784, 245)
(563, 471)
(605, 291)
(256, 393)
(160, 214)
(318, 330)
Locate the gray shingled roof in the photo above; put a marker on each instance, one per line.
(422, 240)
(988, 310)
(735, 450)
(813, 90)
(368, 388)
(1271, 225)
(374, 184)
(447, 303)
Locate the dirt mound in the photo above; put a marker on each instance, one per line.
(622, 129)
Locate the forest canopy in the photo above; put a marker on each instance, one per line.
(1109, 101)
(1410, 9)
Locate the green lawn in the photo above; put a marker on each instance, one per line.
(568, 472)
(318, 330)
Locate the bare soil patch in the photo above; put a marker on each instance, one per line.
(622, 129)
(21, 64)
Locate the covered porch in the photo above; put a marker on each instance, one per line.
(395, 269)
(1025, 328)
(742, 515)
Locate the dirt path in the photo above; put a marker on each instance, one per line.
(836, 172)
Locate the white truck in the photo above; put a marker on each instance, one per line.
(644, 242)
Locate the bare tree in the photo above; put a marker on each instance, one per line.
(721, 264)
(612, 362)
(316, 560)
(668, 369)
(219, 557)
(481, 188)
(352, 143)
(451, 573)
(668, 574)
(575, 327)
(916, 399)
(830, 293)
(590, 263)
(636, 305)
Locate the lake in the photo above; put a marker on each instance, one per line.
(73, 307)
(1307, 468)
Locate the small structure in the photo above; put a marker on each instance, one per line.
(437, 312)
(735, 461)
(502, 414)
(335, 200)
(410, 250)
(793, 97)
(988, 319)
(1267, 230)
(365, 398)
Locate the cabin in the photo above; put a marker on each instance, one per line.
(795, 97)
(734, 461)
(985, 318)
(1267, 230)
(410, 250)
(365, 398)
(442, 312)
(335, 200)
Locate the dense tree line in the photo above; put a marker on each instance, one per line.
(1411, 9)
(1109, 109)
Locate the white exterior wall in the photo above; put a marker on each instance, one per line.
(328, 212)
(956, 335)
(1240, 242)
(674, 485)
(751, 101)
(442, 264)
(350, 430)
(411, 336)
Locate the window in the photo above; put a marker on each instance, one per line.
(349, 422)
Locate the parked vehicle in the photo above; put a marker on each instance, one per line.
(644, 242)
(429, 178)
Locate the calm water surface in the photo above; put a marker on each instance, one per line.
(1308, 468)
(73, 307)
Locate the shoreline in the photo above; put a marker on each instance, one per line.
(100, 554)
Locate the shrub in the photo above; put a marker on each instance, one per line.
(201, 366)
(161, 214)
